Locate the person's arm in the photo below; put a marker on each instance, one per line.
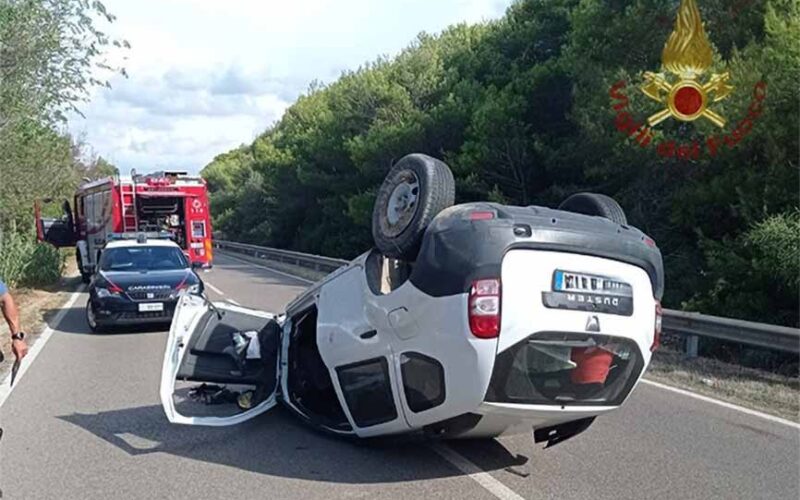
(11, 315)
(10, 312)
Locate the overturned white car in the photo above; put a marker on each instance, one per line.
(464, 321)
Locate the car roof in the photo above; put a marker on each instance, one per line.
(133, 244)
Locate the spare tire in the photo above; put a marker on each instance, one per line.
(595, 204)
(416, 189)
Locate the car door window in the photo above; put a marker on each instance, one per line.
(368, 391)
(423, 381)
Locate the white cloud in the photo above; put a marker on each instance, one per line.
(207, 76)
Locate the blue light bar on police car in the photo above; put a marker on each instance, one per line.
(142, 237)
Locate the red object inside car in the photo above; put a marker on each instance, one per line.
(593, 365)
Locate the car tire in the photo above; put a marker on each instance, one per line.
(414, 191)
(93, 325)
(595, 204)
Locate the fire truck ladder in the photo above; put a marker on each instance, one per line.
(130, 219)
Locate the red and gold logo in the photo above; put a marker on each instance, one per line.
(687, 55)
(685, 92)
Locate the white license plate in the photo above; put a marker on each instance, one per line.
(566, 281)
(151, 307)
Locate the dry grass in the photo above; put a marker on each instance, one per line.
(36, 307)
(760, 390)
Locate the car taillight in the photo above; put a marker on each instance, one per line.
(484, 308)
(657, 328)
(481, 215)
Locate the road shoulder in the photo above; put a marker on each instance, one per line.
(37, 307)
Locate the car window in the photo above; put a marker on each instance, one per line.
(143, 259)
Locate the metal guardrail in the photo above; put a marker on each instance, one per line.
(692, 325)
(316, 262)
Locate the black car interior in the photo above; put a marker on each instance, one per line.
(385, 275)
(309, 381)
(213, 357)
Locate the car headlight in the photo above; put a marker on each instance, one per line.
(104, 293)
(193, 288)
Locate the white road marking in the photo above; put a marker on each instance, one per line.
(268, 269)
(36, 348)
(220, 292)
(475, 473)
(723, 404)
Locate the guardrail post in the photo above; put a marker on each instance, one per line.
(691, 346)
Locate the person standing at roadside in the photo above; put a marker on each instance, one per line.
(11, 314)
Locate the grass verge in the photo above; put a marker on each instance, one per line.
(756, 389)
(37, 306)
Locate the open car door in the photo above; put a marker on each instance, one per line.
(58, 232)
(221, 363)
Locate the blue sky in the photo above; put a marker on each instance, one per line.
(208, 75)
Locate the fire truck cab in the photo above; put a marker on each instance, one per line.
(168, 201)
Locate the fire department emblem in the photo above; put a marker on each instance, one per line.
(687, 55)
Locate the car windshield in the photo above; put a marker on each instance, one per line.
(139, 259)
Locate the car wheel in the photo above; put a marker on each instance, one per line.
(595, 204)
(91, 318)
(414, 191)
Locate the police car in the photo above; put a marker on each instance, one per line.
(466, 320)
(138, 279)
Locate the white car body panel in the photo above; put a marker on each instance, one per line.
(344, 314)
(445, 337)
(528, 273)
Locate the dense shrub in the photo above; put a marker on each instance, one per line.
(25, 262)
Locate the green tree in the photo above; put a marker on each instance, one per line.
(520, 109)
(51, 52)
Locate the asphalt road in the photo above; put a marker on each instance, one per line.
(85, 422)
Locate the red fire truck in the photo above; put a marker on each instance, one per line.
(168, 201)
